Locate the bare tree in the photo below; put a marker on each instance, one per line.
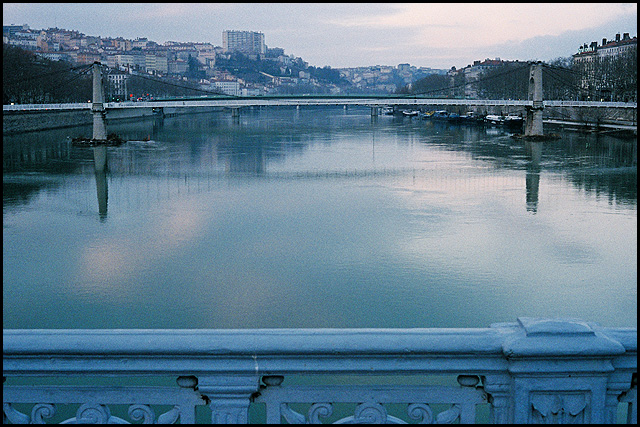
(27, 78)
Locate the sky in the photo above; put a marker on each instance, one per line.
(341, 35)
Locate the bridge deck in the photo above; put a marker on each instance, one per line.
(325, 101)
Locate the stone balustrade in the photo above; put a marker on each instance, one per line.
(529, 371)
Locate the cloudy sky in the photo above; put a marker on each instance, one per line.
(436, 35)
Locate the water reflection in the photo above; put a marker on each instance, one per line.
(200, 145)
(100, 165)
(534, 150)
(316, 218)
(30, 162)
(207, 143)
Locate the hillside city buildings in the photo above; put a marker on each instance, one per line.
(177, 59)
(126, 57)
(472, 73)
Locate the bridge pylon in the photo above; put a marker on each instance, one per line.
(97, 107)
(533, 123)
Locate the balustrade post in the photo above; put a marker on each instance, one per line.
(499, 391)
(229, 397)
(620, 385)
(560, 371)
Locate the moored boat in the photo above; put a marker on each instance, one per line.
(471, 118)
(493, 119)
(513, 121)
(112, 140)
(453, 118)
(440, 115)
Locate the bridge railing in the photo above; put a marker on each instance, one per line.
(533, 370)
(265, 101)
(601, 104)
(41, 107)
(382, 102)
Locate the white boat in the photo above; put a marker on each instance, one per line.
(493, 119)
(411, 113)
(513, 121)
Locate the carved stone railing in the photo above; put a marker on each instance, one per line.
(531, 371)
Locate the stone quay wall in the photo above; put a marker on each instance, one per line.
(18, 122)
(28, 121)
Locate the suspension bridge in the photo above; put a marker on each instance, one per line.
(532, 107)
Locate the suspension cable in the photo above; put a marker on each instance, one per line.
(176, 85)
(564, 82)
(51, 73)
(474, 81)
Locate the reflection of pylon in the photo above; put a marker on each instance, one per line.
(100, 158)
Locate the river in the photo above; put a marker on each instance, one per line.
(316, 218)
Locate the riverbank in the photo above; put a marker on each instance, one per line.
(618, 129)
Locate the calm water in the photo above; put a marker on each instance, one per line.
(319, 217)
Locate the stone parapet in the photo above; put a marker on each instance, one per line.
(530, 371)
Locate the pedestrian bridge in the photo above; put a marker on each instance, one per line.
(533, 107)
(529, 371)
(381, 101)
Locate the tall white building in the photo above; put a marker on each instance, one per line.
(229, 87)
(244, 41)
(118, 83)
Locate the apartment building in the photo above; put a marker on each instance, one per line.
(10, 30)
(588, 57)
(473, 72)
(608, 48)
(248, 42)
(24, 43)
(85, 57)
(155, 62)
(54, 56)
(140, 43)
(229, 87)
(129, 59)
(179, 66)
(118, 84)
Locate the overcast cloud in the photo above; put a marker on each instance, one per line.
(340, 35)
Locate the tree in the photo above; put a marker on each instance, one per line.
(507, 81)
(433, 84)
(613, 78)
(559, 80)
(624, 76)
(327, 75)
(241, 66)
(194, 70)
(141, 85)
(30, 79)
